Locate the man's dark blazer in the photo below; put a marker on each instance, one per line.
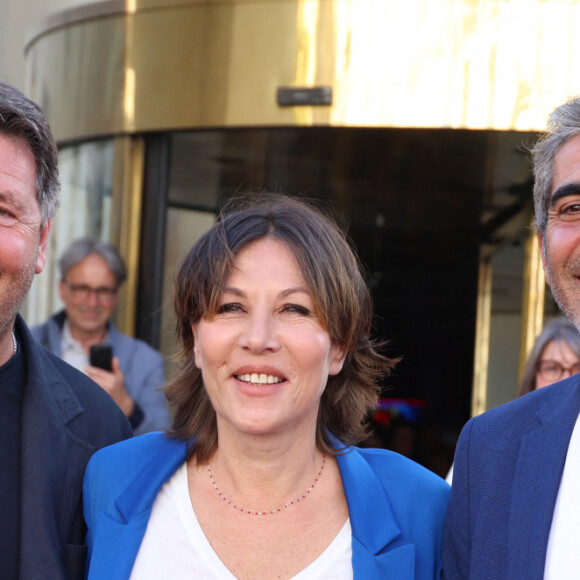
(508, 466)
(65, 418)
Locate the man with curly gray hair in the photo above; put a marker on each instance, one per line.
(514, 510)
(52, 418)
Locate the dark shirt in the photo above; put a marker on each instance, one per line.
(12, 378)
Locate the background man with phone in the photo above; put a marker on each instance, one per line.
(83, 334)
(52, 418)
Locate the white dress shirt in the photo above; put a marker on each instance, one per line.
(564, 541)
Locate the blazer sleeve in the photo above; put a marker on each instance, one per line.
(144, 376)
(144, 380)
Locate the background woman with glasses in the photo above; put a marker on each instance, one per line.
(554, 356)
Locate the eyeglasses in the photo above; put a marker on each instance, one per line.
(83, 291)
(552, 370)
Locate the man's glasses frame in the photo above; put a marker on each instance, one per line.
(83, 291)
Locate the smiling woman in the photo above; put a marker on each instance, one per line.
(326, 277)
(278, 371)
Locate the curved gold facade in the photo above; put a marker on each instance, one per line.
(123, 68)
(140, 65)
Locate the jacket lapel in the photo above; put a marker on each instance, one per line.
(47, 450)
(537, 477)
(118, 534)
(115, 546)
(373, 524)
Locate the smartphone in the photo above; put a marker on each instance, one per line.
(101, 356)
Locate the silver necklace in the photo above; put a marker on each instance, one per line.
(14, 343)
(266, 512)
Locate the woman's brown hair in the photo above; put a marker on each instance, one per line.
(342, 298)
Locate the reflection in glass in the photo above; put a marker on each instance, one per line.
(184, 227)
(86, 176)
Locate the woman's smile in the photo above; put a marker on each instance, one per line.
(259, 379)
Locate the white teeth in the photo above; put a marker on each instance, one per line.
(259, 379)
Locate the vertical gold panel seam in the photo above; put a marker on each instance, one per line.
(128, 198)
(533, 294)
(482, 337)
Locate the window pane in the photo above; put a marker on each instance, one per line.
(86, 175)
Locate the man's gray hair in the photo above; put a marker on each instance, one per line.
(84, 247)
(563, 124)
(21, 118)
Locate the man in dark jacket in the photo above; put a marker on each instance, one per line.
(52, 417)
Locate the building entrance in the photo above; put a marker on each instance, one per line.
(423, 208)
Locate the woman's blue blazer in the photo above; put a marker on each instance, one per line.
(396, 508)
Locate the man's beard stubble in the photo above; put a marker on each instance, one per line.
(13, 294)
(566, 293)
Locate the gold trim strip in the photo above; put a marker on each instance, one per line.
(482, 336)
(533, 295)
(128, 173)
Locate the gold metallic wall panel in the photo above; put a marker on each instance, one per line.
(77, 75)
(154, 65)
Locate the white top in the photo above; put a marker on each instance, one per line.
(562, 554)
(72, 351)
(174, 545)
(449, 478)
